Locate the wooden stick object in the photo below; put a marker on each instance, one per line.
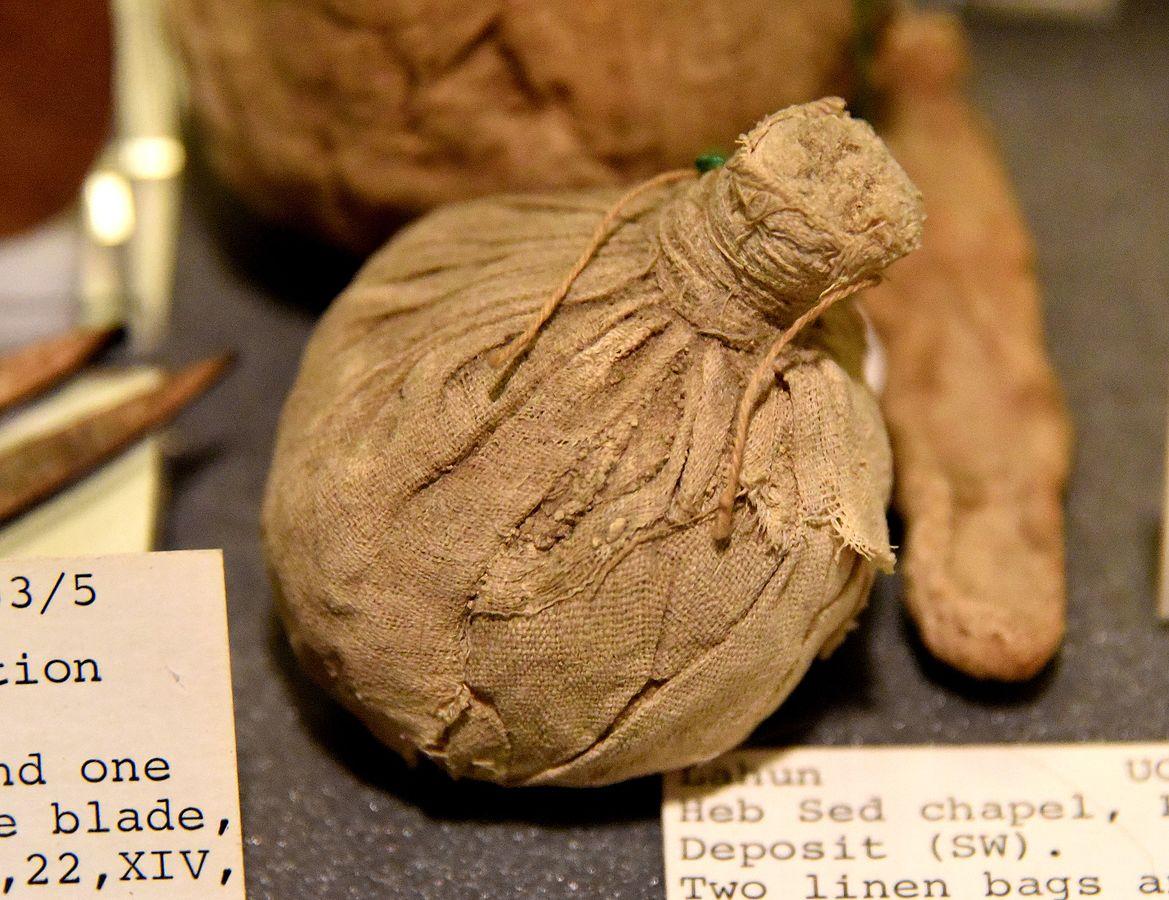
(41, 466)
(34, 369)
(980, 436)
(1163, 588)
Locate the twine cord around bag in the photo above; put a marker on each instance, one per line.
(761, 377)
(510, 352)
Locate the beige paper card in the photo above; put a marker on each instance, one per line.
(117, 740)
(968, 822)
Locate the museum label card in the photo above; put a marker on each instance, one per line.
(820, 823)
(117, 739)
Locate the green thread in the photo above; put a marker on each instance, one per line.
(712, 159)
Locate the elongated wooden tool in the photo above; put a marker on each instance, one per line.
(39, 467)
(981, 439)
(1163, 587)
(34, 369)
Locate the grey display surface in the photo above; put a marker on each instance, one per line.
(1083, 117)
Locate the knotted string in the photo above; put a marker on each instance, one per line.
(762, 376)
(763, 373)
(508, 353)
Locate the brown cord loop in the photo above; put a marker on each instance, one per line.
(510, 352)
(761, 377)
